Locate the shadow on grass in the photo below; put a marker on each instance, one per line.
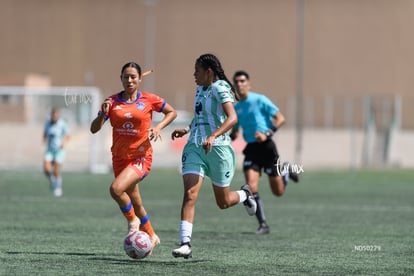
(98, 257)
(51, 253)
(147, 261)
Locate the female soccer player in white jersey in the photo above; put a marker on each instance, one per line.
(56, 136)
(208, 151)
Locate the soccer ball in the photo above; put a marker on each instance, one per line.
(137, 244)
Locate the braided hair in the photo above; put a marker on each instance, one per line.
(211, 61)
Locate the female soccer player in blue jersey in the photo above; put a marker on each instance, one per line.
(260, 118)
(56, 136)
(208, 151)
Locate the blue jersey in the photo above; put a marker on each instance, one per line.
(255, 114)
(55, 133)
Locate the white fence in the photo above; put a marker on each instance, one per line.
(336, 133)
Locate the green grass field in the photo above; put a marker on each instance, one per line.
(332, 223)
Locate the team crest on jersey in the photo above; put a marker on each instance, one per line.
(140, 106)
(198, 108)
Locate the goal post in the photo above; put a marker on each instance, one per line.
(23, 113)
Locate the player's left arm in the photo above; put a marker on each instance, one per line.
(278, 120)
(66, 137)
(45, 136)
(65, 141)
(169, 115)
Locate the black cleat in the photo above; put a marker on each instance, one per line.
(263, 229)
(292, 174)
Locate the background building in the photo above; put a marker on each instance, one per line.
(341, 67)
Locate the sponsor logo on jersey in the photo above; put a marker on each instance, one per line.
(127, 129)
(128, 124)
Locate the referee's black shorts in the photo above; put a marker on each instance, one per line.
(258, 156)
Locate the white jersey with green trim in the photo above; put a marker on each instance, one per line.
(209, 114)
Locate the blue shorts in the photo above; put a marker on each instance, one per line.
(218, 165)
(57, 156)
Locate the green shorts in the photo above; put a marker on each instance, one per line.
(218, 165)
(57, 156)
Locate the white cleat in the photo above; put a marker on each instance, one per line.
(133, 225)
(58, 192)
(183, 251)
(250, 203)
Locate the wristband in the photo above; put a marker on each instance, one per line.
(269, 133)
(187, 129)
(104, 116)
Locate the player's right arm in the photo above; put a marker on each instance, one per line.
(98, 122)
(180, 132)
(45, 133)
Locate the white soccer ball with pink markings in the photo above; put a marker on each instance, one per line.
(137, 245)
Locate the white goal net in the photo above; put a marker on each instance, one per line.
(23, 113)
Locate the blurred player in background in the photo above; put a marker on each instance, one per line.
(260, 118)
(208, 151)
(130, 114)
(56, 137)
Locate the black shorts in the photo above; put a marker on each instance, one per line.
(258, 156)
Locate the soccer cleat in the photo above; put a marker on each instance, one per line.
(155, 240)
(58, 192)
(292, 174)
(183, 251)
(133, 225)
(250, 203)
(263, 229)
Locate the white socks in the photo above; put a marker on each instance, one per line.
(56, 184)
(242, 195)
(52, 179)
(186, 229)
(285, 175)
